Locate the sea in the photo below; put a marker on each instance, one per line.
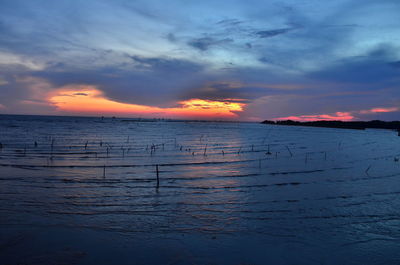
(105, 190)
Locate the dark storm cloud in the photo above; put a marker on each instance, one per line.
(148, 81)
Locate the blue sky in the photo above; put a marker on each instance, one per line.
(279, 58)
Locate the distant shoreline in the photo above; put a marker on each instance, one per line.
(357, 125)
(121, 118)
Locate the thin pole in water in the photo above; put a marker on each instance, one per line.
(158, 177)
(268, 152)
(366, 171)
(290, 152)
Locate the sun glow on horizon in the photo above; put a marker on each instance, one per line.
(343, 116)
(88, 99)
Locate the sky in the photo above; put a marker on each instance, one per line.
(219, 60)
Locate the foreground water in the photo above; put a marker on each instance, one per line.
(84, 191)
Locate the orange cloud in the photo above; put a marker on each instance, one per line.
(90, 100)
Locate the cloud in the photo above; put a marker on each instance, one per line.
(150, 81)
(229, 22)
(343, 116)
(272, 33)
(26, 95)
(95, 103)
(370, 68)
(3, 82)
(395, 64)
(380, 110)
(205, 43)
(14, 61)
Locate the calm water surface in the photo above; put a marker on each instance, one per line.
(84, 191)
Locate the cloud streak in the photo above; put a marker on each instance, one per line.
(342, 116)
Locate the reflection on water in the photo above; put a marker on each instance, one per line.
(292, 185)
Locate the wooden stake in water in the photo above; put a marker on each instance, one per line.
(158, 177)
(366, 171)
(268, 151)
(290, 152)
(51, 152)
(104, 171)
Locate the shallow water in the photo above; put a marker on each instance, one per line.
(229, 193)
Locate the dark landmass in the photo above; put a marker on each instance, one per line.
(359, 125)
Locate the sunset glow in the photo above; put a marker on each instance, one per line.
(342, 116)
(90, 100)
(379, 110)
